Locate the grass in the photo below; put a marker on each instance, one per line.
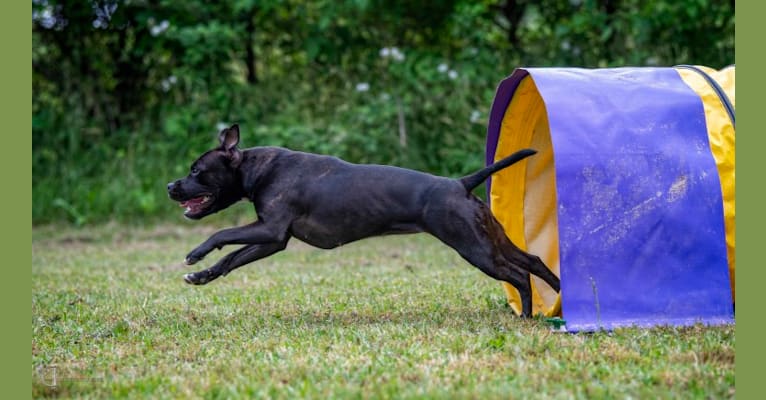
(394, 317)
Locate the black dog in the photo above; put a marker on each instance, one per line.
(327, 202)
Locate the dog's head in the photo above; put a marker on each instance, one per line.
(214, 180)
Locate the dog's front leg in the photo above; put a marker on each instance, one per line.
(256, 233)
(234, 260)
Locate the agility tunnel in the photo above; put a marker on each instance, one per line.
(630, 199)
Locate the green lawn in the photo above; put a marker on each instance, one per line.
(394, 317)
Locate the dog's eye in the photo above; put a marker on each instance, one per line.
(194, 171)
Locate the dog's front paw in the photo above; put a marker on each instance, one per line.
(196, 279)
(195, 256)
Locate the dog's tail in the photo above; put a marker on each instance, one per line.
(475, 179)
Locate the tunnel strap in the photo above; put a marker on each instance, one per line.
(716, 87)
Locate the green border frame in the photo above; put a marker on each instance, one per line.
(749, 204)
(16, 79)
(16, 98)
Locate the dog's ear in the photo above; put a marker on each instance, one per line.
(229, 138)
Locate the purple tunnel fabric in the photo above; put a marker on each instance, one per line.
(640, 215)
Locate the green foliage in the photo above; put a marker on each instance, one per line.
(126, 93)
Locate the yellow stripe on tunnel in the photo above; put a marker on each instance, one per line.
(523, 197)
(722, 144)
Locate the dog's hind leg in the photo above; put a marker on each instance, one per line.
(516, 256)
(473, 243)
(489, 260)
(471, 229)
(512, 253)
(234, 260)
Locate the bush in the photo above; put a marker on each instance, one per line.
(127, 94)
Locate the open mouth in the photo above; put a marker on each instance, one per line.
(197, 204)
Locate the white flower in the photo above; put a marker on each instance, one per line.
(442, 68)
(392, 52)
(362, 87)
(452, 74)
(221, 126)
(44, 17)
(396, 54)
(168, 82)
(475, 116)
(159, 28)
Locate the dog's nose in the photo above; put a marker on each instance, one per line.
(170, 185)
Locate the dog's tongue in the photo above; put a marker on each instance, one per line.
(193, 202)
